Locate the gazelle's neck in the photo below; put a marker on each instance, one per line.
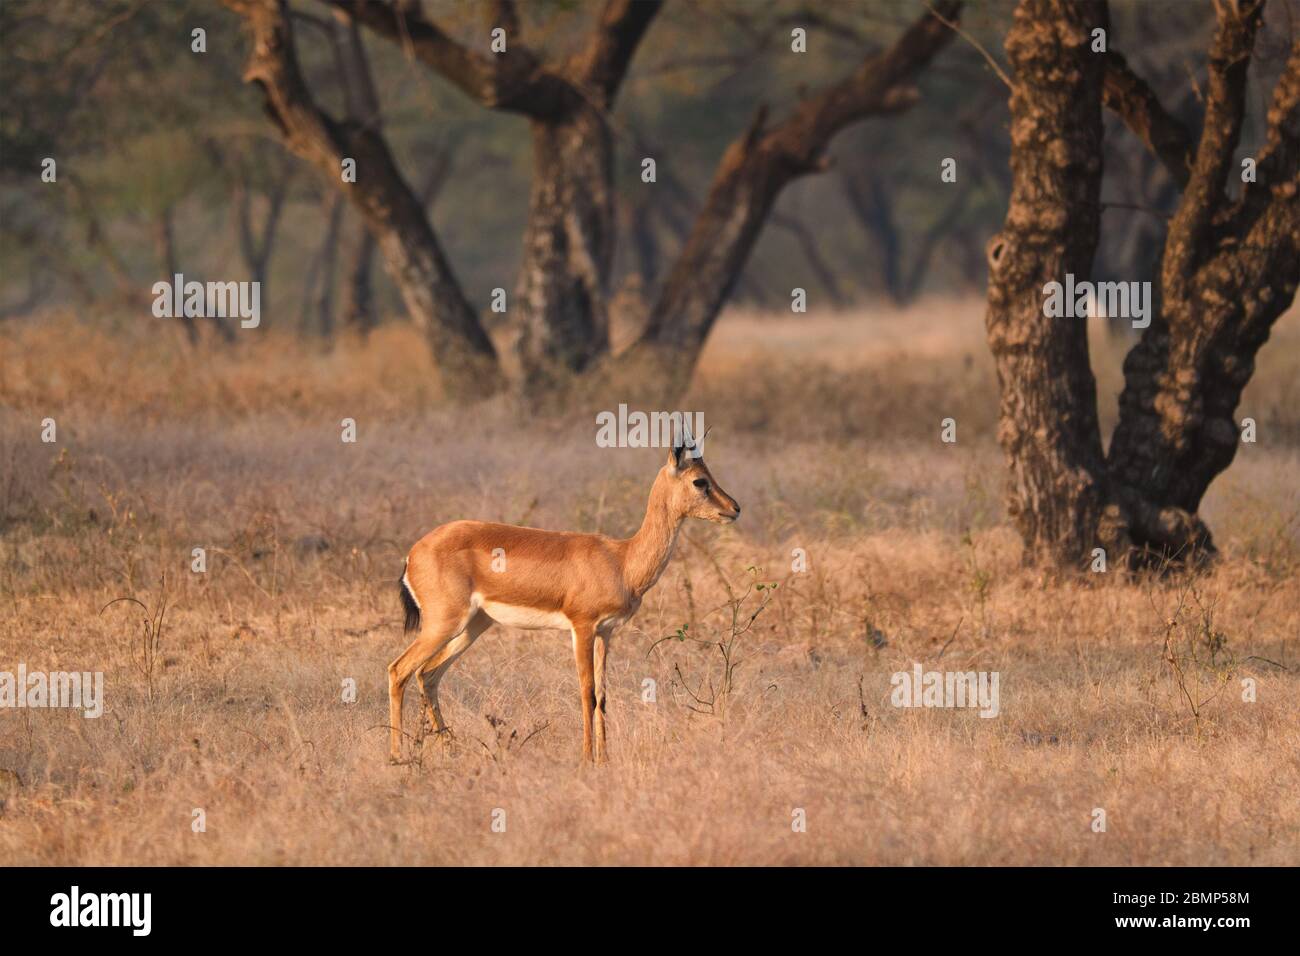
(650, 548)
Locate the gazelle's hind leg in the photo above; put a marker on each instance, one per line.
(436, 631)
(436, 667)
(598, 660)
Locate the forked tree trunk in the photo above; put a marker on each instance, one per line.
(559, 316)
(1230, 268)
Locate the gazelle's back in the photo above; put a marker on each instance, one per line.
(506, 565)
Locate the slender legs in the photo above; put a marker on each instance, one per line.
(436, 667)
(598, 656)
(589, 654)
(583, 640)
(434, 636)
(442, 642)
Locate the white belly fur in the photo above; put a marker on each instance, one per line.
(528, 618)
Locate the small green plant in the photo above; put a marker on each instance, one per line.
(742, 608)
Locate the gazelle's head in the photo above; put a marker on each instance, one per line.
(692, 491)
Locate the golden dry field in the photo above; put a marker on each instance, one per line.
(225, 691)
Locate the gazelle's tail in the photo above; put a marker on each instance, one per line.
(409, 604)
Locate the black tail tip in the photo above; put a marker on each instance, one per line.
(411, 608)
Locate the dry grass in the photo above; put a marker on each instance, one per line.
(829, 439)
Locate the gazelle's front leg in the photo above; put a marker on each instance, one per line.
(583, 638)
(598, 661)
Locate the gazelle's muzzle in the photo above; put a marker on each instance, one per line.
(728, 508)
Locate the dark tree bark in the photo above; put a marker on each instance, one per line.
(563, 286)
(560, 314)
(461, 348)
(1230, 268)
(751, 174)
(1048, 416)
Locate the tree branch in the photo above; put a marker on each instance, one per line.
(1276, 169)
(513, 81)
(604, 61)
(881, 84)
(1224, 110)
(384, 200)
(1129, 97)
(750, 175)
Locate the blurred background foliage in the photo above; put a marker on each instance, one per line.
(164, 155)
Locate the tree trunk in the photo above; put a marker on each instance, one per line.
(359, 313)
(562, 294)
(1048, 414)
(1230, 268)
(165, 248)
(412, 254)
(750, 176)
(560, 314)
(329, 259)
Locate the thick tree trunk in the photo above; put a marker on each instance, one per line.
(560, 313)
(412, 254)
(1230, 268)
(1048, 415)
(418, 267)
(660, 364)
(562, 295)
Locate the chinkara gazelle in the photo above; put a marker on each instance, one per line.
(463, 577)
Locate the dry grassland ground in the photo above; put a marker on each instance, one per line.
(826, 428)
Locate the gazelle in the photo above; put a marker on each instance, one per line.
(463, 577)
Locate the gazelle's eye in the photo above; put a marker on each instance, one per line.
(701, 483)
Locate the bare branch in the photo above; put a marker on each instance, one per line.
(988, 57)
(514, 81)
(1224, 109)
(750, 175)
(384, 200)
(604, 61)
(1129, 97)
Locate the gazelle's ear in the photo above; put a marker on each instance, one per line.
(677, 456)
